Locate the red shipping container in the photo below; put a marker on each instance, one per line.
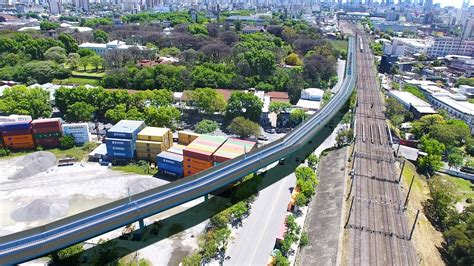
(42, 123)
(16, 132)
(200, 155)
(50, 142)
(46, 130)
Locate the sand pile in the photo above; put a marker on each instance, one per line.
(41, 209)
(33, 164)
(137, 186)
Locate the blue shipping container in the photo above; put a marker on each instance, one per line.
(126, 129)
(123, 155)
(14, 126)
(169, 158)
(179, 175)
(170, 168)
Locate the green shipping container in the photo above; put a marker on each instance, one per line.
(48, 135)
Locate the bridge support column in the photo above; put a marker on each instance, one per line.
(206, 197)
(138, 234)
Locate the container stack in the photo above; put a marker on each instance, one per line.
(170, 163)
(185, 138)
(17, 135)
(15, 118)
(151, 141)
(79, 131)
(47, 132)
(198, 156)
(232, 148)
(121, 138)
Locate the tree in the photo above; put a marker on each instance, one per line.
(208, 100)
(312, 160)
(243, 127)
(73, 60)
(304, 240)
(162, 116)
(455, 160)
(260, 62)
(244, 104)
(277, 107)
(80, 112)
(84, 52)
(293, 60)
(85, 61)
(297, 116)
(318, 69)
(431, 162)
(95, 61)
(70, 44)
(423, 125)
(206, 126)
(100, 36)
(26, 101)
(56, 54)
(440, 206)
(238, 25)
(192, 260)
(69, 256)
(107, 252)
(197, 29)
(280, 259)
(120, 112)
(67, 142)
(344, 137)
(453, 133)
(48, 25)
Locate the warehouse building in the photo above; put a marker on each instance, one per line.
(412, 103)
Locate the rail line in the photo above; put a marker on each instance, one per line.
(378, 229)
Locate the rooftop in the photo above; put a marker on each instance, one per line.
(461, 106)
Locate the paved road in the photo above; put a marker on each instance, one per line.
(255, 240)
(341, 66)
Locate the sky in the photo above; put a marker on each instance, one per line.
(456, 3)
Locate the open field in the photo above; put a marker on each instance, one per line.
(339, 44)
(76, 81)
(464, 189)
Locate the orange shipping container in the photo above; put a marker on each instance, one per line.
(18, 139)
(194, 168)
(194, 161)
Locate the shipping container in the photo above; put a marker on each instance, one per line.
(149, 144)
(14, 126)
(233, 148)
(171, 168)
(16, 132)
(15, 118)
(48, 135)
(158, 134)
(46, 123)
(43, 130)
(165, 172)
(126, 129)
(177, 149)
(195, 168)
(185, 137)
(121, 155)
(48, 142)
(169, 158)
(194, 161)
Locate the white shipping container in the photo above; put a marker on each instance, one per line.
(15, 118)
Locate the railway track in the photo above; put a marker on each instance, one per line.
(377, 224)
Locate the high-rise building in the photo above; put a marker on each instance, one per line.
(465, 3)
(467, 31)
(428, 6)
(55, 7)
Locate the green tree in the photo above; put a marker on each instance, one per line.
(304, 240)
(244, 104)
(162, 116)
(69, 256)
(56, 54)
(73, 60)
(277, 107)
(244, 127)
(433, 160)
(67, 142)
(440, 206)
(95, 61)
(312, 160)
(453, 133)
(260, 62)
(84, 52)
(206, 126)
(293, 60)
(280, 259)
(107, 252)
(120, 112)
(70, 44)
(208, 100)
(238, 25)
(344, 137)
(197, 29)
(455, 158)
(85, 61)
(100, 36)
(26, 101)
(192, 260)
(423, 125)
(297, 116)
(48, 25)
(80, 112)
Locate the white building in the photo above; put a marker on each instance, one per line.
(432, 47)
(101, 48)
(310, 99)
(462, 110)
(467, 91)
(55, 7)
(412, 103)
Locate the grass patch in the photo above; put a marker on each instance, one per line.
(80, 153)
(136, 168)
(76, 81)
(89, 73)
(340, 45)
(463, 189)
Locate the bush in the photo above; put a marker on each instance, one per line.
(67, 142)
(4, 152)
(206, 126)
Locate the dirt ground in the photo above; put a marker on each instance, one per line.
(426, 239)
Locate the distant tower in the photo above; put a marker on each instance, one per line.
(465, 4)
(428, 6)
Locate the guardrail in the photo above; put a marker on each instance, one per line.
(35, 242)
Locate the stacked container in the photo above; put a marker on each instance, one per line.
(231, 149)
(185, 138)
(121, 139)
(47, 132)
(15, 118)
(17, 135)
(198, 155)
(170, 163)
(79, 131)
(153, 140)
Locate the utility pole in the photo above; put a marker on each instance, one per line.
(409, 190)
(350, 210)
(414, 224)
(401, 172)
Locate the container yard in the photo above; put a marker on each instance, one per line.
(151, 141)
(232, 148)
(121, 139)
(170, 163)
(198, 156)
(17, 135)
(47, 132)
(185, 137)
(79, 131)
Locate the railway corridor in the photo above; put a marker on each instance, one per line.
(377, 227)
